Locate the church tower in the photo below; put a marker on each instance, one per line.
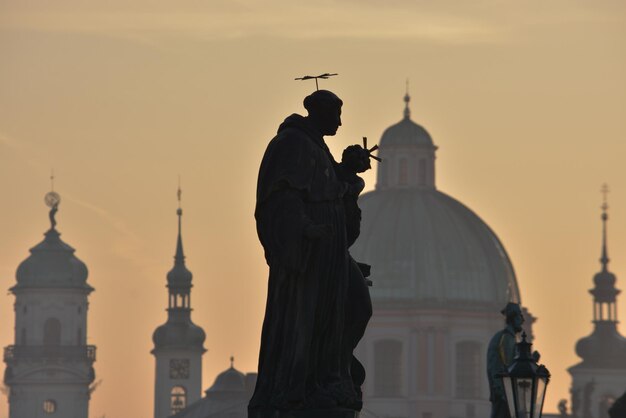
(179, 343)
(50, 366)
(601, 376)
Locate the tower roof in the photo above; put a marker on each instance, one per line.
(179, 275)
(406, 132)
(605, 347)
(179, 331)
(604, 281)
(230, 380)
(52, 262)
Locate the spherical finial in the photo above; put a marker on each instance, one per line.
(52, 199)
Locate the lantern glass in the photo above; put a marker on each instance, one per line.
(524, 388)
(510, 397)
(541, 391)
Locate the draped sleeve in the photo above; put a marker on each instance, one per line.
(285, 178)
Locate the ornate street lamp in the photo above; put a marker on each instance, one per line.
(525, 383)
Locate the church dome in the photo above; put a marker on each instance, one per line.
(406, 132)
(52, 263)
(230, 380)
(426, 248)
(604, 348)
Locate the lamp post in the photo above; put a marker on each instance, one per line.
(525, 383)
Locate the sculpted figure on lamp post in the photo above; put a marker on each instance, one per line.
(318, 303)
(500, 355)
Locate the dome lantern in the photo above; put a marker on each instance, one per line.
(408, 153)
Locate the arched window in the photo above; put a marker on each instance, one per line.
(403, 172)
(178, 399)
(52, 332)
(388, 368)
(469, 372)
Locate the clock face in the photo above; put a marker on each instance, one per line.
(179, 368)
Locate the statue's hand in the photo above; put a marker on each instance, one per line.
(318, 231)
(356, 159)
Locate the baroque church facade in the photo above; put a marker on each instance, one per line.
(440, 278)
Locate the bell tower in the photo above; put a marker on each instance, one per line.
(601, 375)
(50, 366)
(179, 343)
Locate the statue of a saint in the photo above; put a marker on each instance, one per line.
(500, 355)
(318, 303)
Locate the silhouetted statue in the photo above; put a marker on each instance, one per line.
(562, 406)
(318, 303)
(500, 355)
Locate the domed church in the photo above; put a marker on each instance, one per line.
(441, 277)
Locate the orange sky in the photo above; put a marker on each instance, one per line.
(526, 100)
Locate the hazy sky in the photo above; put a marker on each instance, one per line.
(526, 100)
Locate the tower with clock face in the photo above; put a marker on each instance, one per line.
(178, 344)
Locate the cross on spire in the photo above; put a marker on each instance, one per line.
(407, 99)
(180, 257)
(605, 206)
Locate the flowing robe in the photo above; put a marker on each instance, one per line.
(500, 355)
(300, 360)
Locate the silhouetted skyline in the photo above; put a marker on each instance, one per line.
(527, 102)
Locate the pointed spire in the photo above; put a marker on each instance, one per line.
(407, 99)
(180, 255)
(604, 259)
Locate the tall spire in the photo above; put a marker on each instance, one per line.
(407, 99)
(180, 256)
(179, 278)
(604, 259)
